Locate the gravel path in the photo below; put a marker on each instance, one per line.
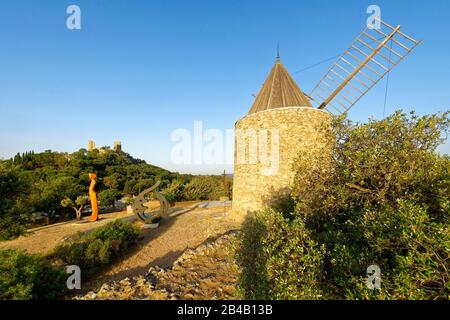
(207, 272)
(162, 246)
(43, 240)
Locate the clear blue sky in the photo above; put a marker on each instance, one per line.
(137, 70)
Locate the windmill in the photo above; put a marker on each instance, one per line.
(300, 123)
(373, 54)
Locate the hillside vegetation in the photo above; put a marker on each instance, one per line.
(57, 183)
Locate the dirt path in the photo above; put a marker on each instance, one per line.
(162, 246)
(44, 239)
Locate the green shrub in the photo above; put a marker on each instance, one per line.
(120, 233)
(198, 188)
(24, 276)
(98, 248)
(172, 198)
(410, 249)
(206, 188)
(175, 191)
(284, 204)
(278, 259)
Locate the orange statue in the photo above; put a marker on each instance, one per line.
(93, 196)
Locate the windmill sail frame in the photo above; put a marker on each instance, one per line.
(361, 67)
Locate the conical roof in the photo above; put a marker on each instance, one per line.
(279, 91)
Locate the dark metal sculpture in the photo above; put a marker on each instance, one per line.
(139, 206)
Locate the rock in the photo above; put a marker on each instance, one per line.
(105, 287)
(91, 295)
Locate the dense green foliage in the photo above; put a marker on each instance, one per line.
(14, 206)
(278, 257)
(52, 171)
(381, 198)
(199, 188)
(108, 197)
(24, 276)
(99, 248)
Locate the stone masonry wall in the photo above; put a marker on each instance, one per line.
(299, 129)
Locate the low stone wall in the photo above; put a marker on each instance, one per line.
(257, 183)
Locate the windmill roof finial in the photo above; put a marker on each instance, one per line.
(278, 51)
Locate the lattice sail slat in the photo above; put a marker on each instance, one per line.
(369, 58)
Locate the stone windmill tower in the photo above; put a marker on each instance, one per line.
(284, 122)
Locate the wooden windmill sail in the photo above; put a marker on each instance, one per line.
(373, 54)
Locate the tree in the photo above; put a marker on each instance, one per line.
(78, 205)
(109, 196)
(126, 188)
(142, 184)
(48, 194)
(15, 187)
(113, 181)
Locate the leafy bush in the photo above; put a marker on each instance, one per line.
(172, 198)
(278, 259)
(381, 198)
(118, 230)
(285, 204)
(175, 191)
(198, 188)
(403, 240)
(24, 276)
(13, 223)
(99, 248)
(205, 188)
(384, 200)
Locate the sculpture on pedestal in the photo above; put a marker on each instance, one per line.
(93, 196)
(139, 206)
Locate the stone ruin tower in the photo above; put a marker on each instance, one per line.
(117, 146)
(280, 124)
